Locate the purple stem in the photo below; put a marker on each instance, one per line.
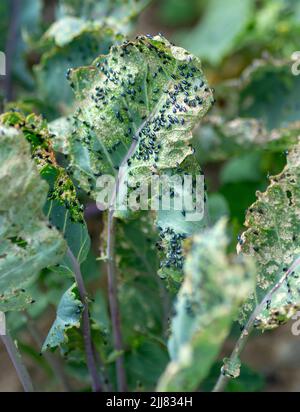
(17, 362)
(241, 343)
(86, 326)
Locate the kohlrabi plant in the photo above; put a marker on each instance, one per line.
(116, 257)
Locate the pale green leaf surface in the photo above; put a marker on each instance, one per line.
(68, 316)
(69, 42)
(120, 99)
(62, 207)
(60, 129)
(151, 108)
(63, 31)
(213, 288)
(272, 238)
(27, 243)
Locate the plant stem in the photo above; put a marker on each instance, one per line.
(113, 303)
(86, 326)
(112, 278)
(16, 359)
(52, 360)
(241, 343)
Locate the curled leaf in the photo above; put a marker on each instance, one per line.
(68, 316)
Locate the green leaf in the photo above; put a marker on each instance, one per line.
(207, 303)
(145, 363)
(120, 100)
(27, 244)
(69, 42)
(217, 33)
(269, 92)
(241, 31)
(274, 28)
(150, 109)
(139, 285)
(29, 27)
(257, 111)
(272, 238)
(117, 13)
(62, 207)
(244, 168)
(218, 207)
(218, 139)
(68, 316)
(143, 330)
(266, 91)
(64, 31)
(35, 130)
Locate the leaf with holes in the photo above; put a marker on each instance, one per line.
(27, 244)
(62, 207)
(218, 139)
(138, 119)
(272, 237)
(68, 316)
